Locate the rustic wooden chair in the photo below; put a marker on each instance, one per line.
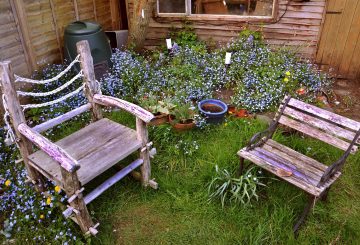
(78, 158)
(302, 171)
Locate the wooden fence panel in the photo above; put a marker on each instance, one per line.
(32, 31)
(339, 48)
(11, 43)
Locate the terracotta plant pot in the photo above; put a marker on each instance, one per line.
(241, 113)
(181, 127)
(231, 109)
(160, 118)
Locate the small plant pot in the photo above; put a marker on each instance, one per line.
(231, 109)
(213, 110)
(181, 127)
(160, 118)
(241, 113)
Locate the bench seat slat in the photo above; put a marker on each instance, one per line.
(293, 179)
(340, 120)
(321, 124)
(317, 134)
(301, 180)
(309, 169)
(280, 162)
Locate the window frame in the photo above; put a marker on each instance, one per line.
(217, 17)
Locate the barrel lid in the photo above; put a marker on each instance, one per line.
(82, 28)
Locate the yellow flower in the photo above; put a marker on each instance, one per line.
(286, 79)
(225, 124)
(48, 201)
(42, 216)
(57, 189)
(287, 73)
(7, 183)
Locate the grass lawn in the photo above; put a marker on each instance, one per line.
(180, 213)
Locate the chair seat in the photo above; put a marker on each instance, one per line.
(97, 147)
(305, 171)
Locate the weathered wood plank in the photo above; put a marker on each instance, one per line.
(274, 169)
(55, 152)
(281, 163)
(125, 105)
(292, 153)
(317, 134)
(97, 147)
(63, 118)
(306, 167)
(330, 116)
(321, 124)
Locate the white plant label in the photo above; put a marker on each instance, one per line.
(143, 13)
(227, 58)
(168, 43)
(224, 2)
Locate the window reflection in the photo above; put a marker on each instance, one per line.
(233, 7)
(172, 6)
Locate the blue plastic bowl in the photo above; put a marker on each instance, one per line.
(213, 110)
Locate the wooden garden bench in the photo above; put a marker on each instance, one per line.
(80, 157)
(302, 171)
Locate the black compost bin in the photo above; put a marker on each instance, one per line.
(99, 44)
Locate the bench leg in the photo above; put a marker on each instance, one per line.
(307, 209)
(241, 167)
(324, 195)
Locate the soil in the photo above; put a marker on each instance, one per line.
(211, 108)
(348, 94)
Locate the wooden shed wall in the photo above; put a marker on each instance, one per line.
(37, 33)
(298, 26)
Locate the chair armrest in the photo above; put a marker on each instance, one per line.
(136, 110)
(337, 166)
(53, 150)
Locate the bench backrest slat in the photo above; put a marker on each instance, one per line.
(330, 116)
(328, 127)
(316, 133)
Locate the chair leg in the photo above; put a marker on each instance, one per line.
(142, 135)
(241, 167)
(307, 209)
(71, 186)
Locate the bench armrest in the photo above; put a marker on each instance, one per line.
(136, 110)
(337, 166)
(53, 150)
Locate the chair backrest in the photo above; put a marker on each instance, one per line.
(321, 124)
(89, 85)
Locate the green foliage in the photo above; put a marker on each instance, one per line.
(186, 37)
(152, 104)
(184, 112)
(234, 190)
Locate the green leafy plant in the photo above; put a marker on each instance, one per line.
(234, 190)
(184, 113)
(156, 106)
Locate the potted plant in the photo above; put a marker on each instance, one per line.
(183, 117)
(160, 108)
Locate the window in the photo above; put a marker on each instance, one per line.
(231, 8)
